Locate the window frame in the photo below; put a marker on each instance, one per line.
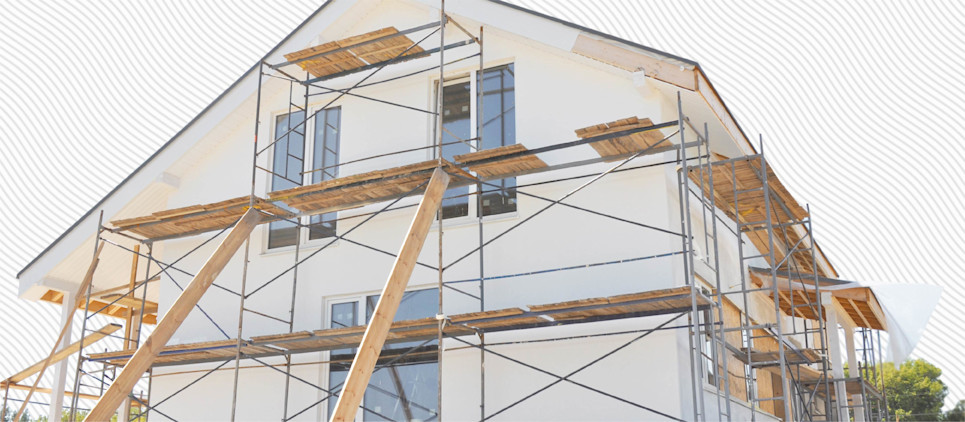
(359, 299)
(456, 77)
(303, 237)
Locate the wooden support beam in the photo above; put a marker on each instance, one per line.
(62, 353)
(79, 299)
(375, 334)
(149, 350)
(48, 391)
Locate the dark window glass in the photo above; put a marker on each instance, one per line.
(407, 389)
(499, 129)
(456, 109)
(324, 160)
(288, 162)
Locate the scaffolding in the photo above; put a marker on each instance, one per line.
(777, 361)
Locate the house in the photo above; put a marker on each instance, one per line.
(577, 220)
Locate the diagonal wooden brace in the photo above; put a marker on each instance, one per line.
(78, 300)
(148, 352)
(378, 329)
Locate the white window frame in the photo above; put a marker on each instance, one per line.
(303, 232)
(452, 79)
(359, 300)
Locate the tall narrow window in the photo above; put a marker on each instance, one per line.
(499, 129)
(324, 162)
(288, 160)
(457, 130)
(291, 168)
(459, 106)
(408, 388)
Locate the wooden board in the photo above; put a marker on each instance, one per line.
(617, 148)
(365, 188)
(352, 55)
(761, 359)
(495, 168)
(63, 353)
(195, 219)
(586, 310)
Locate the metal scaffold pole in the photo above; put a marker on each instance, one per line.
(83, 331)
(696, 361)
(441, 315)
(244, 271)
(480, 128)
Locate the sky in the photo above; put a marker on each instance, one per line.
(858, 104)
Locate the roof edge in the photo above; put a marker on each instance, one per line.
(173, 138)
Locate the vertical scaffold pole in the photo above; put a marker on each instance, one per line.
(291, 310)
(720, 334)
(480, 123)
(696, 364)
(83, 330)
(774, 286)
(443, 19)
(244, 271)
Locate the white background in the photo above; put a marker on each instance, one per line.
(859, 105)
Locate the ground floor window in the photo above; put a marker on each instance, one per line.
(401, 388)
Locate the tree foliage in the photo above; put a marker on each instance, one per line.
(956, 414)
(915, 391)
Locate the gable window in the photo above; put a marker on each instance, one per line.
(459, 112)
(405, 390)
(290, 168)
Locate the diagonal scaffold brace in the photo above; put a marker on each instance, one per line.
(148, 352)
(378, 328)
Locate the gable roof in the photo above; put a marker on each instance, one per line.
(235, 85)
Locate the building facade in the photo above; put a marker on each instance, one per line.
(611, 245)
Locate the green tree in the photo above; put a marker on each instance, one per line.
(915, 391)
(957, 413)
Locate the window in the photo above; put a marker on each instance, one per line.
(290, 169)
(405, 390)
(498, 129)
(288, 160)
(324, 162)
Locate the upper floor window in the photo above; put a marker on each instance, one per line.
(459, 114)
(290, 168)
